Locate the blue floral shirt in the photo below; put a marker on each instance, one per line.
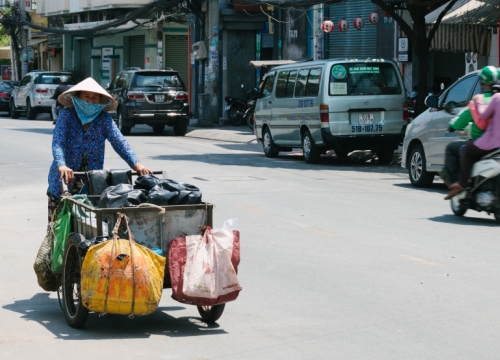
(70, 141)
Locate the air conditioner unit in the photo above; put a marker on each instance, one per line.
(199, 50)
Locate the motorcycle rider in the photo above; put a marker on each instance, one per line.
(63, 86)
(476, 149)
(449, 174)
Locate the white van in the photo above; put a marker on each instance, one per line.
(339, 104)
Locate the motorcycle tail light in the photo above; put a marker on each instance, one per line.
(324, 115)
(405, 111)
(136, 95)
(41, 91)
(181, 95)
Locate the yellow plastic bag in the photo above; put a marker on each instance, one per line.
(122, 277)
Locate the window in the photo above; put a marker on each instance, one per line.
(162, 80)
(312, 87)
(25, 81)
(290, 86)
(121, 80)
(300, 86)
(281, 84)
(267, 88)
(460, 93)
(363, 79)
(477, 89)
(54, 79)
(115, 81)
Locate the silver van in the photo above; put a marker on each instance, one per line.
(339, 104)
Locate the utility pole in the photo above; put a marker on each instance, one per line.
(212, 70)
(24, 39)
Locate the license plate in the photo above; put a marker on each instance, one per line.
(366, 128)
(365, 119)
(159, 98)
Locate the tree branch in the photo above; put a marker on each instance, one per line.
(438, 20)
(401, 22)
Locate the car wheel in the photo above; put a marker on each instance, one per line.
(385, 155)
(270, 148)
(419, 177)
(158, 129)
(13, 111)
(457, 209)
(181, 127)
(311, 151)
(125, 130)
(30, 112)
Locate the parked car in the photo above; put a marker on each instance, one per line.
(339, 104)
(426, 137)
(6, 88)
(33, 95)
(153, 97)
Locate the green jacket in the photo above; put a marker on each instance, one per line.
(464, 118)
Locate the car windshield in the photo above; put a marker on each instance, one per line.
(54, 79)
(158, 80)
(363, 79)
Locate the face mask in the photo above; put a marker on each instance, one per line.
(87, 112)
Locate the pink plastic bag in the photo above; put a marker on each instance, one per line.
(203, 268)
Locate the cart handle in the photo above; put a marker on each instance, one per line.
(84, 173)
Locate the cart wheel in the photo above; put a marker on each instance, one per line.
(75, 313)
(211, 314)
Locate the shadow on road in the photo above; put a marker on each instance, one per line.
(46, 312)
(436, 187)
(464, 220)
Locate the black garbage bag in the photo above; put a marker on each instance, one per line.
(171, 185)
(122, 195)
(146, 182)
(162, 197)
(189, 197)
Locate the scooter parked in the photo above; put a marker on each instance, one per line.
(236, 109)
(484, 194)
(252, 95)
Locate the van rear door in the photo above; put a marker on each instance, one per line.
(365, 98)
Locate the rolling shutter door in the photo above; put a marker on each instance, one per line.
(85, 53)
(136, 51)
(353, 43)
(175, 50)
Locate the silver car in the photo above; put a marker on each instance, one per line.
(34, 92)
(426, 137)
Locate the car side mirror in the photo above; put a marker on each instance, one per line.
(432, 101)
(450, 107)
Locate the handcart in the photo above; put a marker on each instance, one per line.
(149, 227)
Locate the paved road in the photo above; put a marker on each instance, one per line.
(341, 260)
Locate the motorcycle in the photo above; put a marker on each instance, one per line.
(484, 194)
(412, 105)
(236, 108)
(252, 94)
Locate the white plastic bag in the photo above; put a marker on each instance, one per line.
(209, 272)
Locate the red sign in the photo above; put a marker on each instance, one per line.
(358, 22)
(374, 18)
(343, 25)
(327, 26)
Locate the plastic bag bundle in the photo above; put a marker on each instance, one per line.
(120, 276)
(47, 280)
(146, 182)
(121, 195)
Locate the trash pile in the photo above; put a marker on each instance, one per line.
(150, 189)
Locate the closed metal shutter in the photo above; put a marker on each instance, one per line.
(136, 51)
(84, 70)
(352, 43)
(175, 55)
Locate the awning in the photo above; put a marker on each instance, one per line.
(36, 41)
(270, 63)
(465, 27)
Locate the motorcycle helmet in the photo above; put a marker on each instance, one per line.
(495, 86)
(488, 75)
(64, 79)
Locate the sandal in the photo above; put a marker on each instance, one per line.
(455, 189)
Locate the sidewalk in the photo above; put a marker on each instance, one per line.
(229, 133)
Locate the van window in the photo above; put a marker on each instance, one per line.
(281, 84)
(290, 86)
(312, 87)
(300, 86)
(267, 88)
(363, 79)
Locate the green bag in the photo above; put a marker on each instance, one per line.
(62, 228)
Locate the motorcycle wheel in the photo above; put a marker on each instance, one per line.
(249, 118)
(235, 118)
(458, 209)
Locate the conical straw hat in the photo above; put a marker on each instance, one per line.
(91, 85)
